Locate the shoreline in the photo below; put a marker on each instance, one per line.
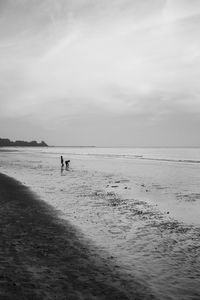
(43, 257)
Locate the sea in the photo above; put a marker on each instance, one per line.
(141, 206)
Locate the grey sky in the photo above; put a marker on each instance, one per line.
(98, 72)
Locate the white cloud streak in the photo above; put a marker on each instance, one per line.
(133, 58)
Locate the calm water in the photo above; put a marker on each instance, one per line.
(140, 205)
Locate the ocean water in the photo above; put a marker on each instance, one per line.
(141, 206)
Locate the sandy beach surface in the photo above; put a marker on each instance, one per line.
(129, 217)
(44, 257)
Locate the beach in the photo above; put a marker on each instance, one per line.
(133, 212)
(99, 149)
(44, 258)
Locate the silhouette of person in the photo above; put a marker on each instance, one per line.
(67, 164)
(61, 160)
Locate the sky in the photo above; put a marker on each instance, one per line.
(99, 72)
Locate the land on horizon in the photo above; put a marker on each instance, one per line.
(8, 143)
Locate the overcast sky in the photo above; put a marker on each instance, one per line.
(99, 72)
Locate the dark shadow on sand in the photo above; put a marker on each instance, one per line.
(42, 257)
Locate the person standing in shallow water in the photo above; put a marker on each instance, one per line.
(62, 161)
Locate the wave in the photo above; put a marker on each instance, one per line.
(126, 157)
(174, 160)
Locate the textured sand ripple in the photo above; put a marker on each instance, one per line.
(42, 257)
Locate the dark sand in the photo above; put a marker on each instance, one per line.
(42, 257)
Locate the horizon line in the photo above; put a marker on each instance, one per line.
(87, 146)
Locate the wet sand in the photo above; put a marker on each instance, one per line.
(43, 257)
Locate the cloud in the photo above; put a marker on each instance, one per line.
(68, 60)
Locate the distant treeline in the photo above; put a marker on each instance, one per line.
(7, 143)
